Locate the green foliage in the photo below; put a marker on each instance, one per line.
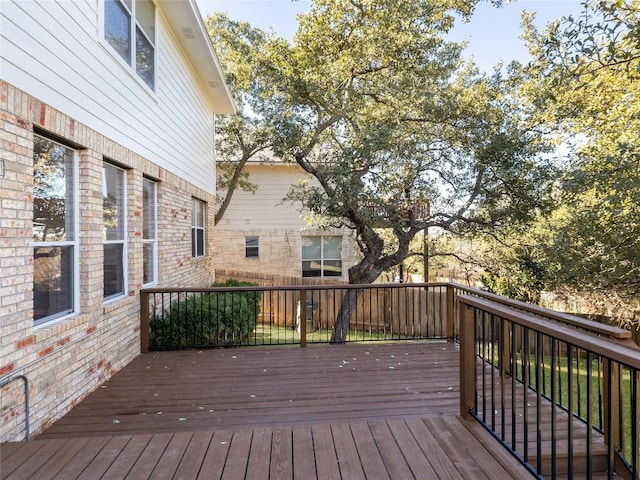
(584, 86)
(519, 276)
(208, 319)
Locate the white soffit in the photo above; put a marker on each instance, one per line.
(184, 18)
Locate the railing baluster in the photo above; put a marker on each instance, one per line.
(590, 414)
(526, 361)
(485, 357)
(635, 407)
(570, 403)
(493, 334)
(514, 374)
(539, 390)
(554, 402)
(503, 344)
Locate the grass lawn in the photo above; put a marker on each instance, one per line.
(265, 334)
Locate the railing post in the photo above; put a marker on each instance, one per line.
(144, 322)
(467, 360)
(303, 318)
(450, 314)
(611, 402)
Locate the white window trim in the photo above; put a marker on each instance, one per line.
(153, 241)
(196, 228)
(256, 247)
(131, 69)
(322, 258)
(47, 321)
(125, 253)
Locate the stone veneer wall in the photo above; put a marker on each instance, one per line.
(65, 360)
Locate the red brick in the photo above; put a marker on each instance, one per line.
(43, 112)
(7, 368)
(44, 352)
(91, 329)
(25, 342)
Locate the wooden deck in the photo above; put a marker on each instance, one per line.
(327, 412)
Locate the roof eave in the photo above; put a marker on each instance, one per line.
(186, 22)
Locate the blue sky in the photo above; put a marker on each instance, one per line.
(492, 33)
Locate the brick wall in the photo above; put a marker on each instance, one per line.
(66, 359)
(280, 250)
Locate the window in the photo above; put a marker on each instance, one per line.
(149, 232)
(55, 249)
(251, 247)
(197, 228)
(321, 256)
(114, 228)
(126, 20)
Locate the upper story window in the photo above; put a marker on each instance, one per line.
(149, 232)
(322, 256)
(114, 228)
(251, 247)
(130, 28)
(197, 228)
(55, 239)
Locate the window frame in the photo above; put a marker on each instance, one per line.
(124, 229)
(322, 259)
(195, 228)
(130, 65)
(251, 248)
(74, 243)
(153, 240)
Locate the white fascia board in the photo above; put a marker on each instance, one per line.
(188, 27)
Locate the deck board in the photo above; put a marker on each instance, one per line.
(346, 452)
(304, 465)
(246, 388)
(215, 459)
(260, 454)
(128, 457)
(381, 411)
(281, 467)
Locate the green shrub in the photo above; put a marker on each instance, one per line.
(208, 319)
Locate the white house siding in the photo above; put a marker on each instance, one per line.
(53, 51)
(279, 225)
(265, 208)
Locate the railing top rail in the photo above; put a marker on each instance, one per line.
(579, 322)
(606, 347)
(268, 288)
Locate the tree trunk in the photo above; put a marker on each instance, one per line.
(347, 307)
(361, 273)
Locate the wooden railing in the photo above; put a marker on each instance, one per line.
(608, 331)
(301, 314)
(562, 399)
(247, 316)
